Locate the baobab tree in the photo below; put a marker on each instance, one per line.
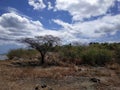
(42, 44)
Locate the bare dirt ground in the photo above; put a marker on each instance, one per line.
(16, 75)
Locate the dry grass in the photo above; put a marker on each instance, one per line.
(18, 72)
(15, 76)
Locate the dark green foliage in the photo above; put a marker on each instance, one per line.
(96, 56)
(70, 53)
(117, 54)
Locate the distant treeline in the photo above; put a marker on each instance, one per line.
(92, 54)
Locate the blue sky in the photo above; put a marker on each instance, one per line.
(72, 20)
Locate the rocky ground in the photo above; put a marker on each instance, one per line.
(17, 75)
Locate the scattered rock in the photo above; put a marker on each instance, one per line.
(43, 86)
(37, 87)
(95, 80)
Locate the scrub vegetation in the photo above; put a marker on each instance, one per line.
(63, 67)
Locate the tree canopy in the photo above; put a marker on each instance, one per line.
(42, 44)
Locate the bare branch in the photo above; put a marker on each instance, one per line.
(42, 43)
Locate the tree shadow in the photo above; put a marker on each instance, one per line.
(26, 64)
(33, 64)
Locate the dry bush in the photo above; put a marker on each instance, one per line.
(113, 66)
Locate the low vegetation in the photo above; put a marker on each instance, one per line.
(92, 54)
(97, 56)
(63, 67)
(22, 53)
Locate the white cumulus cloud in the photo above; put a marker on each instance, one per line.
(37, 4)
(50, 6)
(92, 29)
(13, 27)
(80, 9)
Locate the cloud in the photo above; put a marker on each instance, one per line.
(81, 9)
(37, 4)
(50, 6)
(13, 26)
(10, 9)
(108, 25)
(14, 10)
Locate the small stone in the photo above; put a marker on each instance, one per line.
(95, 80)
(37, 87)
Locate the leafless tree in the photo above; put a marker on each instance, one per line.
(42, 44)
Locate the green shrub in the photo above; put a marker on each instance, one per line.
(117, 54)
(70, 53)
(22, 53)
(96, 56)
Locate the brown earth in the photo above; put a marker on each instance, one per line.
(21, 75)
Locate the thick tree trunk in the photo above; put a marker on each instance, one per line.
(42, 59)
